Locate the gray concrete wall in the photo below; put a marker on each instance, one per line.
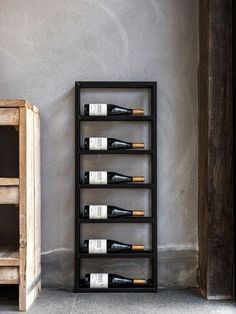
(45, 47)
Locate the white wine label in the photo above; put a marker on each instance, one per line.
(98, 109)
(97, 177)
(97, 246)
(99, 143)
(98, 280)
(98, 212)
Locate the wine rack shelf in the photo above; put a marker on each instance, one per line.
(117, 186)
(119, 152)
(118, 290)
(152, 186)
(113, 118)
(145, 254)
(117, 221)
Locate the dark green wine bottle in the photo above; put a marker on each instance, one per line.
(103, 246)
(104, 143)
(110, 110)
(107, 211)
(104, 280)
(108, 177)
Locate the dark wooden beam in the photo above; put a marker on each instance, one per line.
(234, 130)
(215, 149)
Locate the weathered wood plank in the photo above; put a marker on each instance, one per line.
(12, 103)
(9, 195)
(30, 217)
(202, 142)
(26, 192)
(9, 181)
(22, 210)
(9, 275)
(9, 256)
(17, 103)
(30, 205)
(37, 205)
(215, 150)
(9, 116)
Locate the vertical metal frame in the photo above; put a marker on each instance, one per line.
(152, 119)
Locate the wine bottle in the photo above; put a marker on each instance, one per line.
(104, 280)
(109, 109)
(104, 177)
(104, 143)
(107, 211)
(103, 246)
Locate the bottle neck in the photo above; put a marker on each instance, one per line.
(117, 110)
(116, 246)
(137, 145)
(121, 280)
(139, 282)
(137, 247)
(138, 179)
(116, 144)
(116, 211)
(138, 213)
(117, 178)
(137, 112)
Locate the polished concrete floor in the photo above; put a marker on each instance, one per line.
(164, 302)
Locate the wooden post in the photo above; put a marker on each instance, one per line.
(215, 150)
(30, 215)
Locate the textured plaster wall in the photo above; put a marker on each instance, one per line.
(45, 47)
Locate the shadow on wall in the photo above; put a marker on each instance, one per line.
(58, 192)
(175, 269)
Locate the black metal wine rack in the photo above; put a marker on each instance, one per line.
(152, 119)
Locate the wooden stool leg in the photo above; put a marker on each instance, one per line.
(30, 214)
(22, 298)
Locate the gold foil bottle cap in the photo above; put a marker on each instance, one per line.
(137, 247)
(138, 213)
(138, 179)
(139, 281)
(137, 112)
(138, 145)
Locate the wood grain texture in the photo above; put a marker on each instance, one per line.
(24, 190)
(30, 210)
(9, 275)
(9, 195)
(37, 206)
(9, 256)
(33, 210)
(215, 150)
(17, 103)
(9, 116)
(9, 181)
(202, 142)
(30, 216)
(22, 210)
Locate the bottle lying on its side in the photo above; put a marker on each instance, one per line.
(104, 280)
(104, 246)
(108, 143)
(109, 177)
(110, 110)
(107, 211)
